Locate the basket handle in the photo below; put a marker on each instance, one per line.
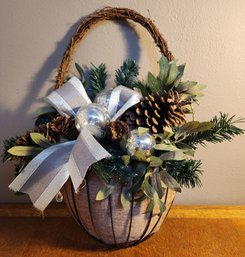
(108, 13)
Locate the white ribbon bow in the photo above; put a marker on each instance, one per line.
(46, 174)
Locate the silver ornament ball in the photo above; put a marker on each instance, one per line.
(95, 117)
(103, 97)
(145, 143)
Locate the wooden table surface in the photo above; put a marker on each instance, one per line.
(198, 231)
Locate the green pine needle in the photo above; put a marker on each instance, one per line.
(98, 76)
(223, 129)
(186, 172)
(126, 75)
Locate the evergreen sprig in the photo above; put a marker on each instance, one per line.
(127, 73)
(223, 129)
(186, 172)
(98, 76)
(113, 168)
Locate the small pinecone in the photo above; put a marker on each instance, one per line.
(157, 112)
(65, 127)
(116, 130)
(26, 140)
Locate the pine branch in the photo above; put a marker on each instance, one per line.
(223, 129)
(113, 168)
(186, 172)
(126, 75)
(98, 76)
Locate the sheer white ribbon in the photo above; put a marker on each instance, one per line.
(45, 175)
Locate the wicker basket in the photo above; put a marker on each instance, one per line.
(106, 220)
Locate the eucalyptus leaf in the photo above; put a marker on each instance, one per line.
(186, 128)
(166, 147)
(185, 86)
(40, 139)
(172, 75)
(157, 184)
(104, 192)
(177, 156)
(164, 68)
(142, 131)
(24, 150)
(161, 205)
(126, 159)
(125, 198)
(150, 206)
(169, 181)
(203, 126)
(155, 161)
(181, 69)
(81, 73)
(154, 84)
(147, 189)
(139, 155)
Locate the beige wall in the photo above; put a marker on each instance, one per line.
(208, 35)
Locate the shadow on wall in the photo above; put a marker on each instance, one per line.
(19, 119)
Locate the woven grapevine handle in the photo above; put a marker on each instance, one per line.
(108, 13)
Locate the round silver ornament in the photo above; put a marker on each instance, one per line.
(103, 97)
(144, 143)
(95, 117)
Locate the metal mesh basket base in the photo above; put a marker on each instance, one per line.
(107, 221)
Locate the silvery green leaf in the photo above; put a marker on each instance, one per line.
(104, 192)
(154, 84)
(164, 67)
(81, 73)
(125, 198)
(161, 205)
(181, 69)
(155, 161)
(142, 131)
(186, 149)
(150, 206)
(166, 147)
(185, 129)
(157, 184)
(172, 75)
(24, 150)
(40, 139)
(203, 126)
(169, 181)
(185, 86)
(146, 187)
(126, 159)
(177, 156)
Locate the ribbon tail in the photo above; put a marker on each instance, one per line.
(85, 152)
(45, 175)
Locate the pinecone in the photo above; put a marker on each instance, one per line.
(64, 126)
(157, 112)
(116, 130)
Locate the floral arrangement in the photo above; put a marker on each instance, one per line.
(142, 126)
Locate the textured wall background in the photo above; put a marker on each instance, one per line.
(208, 35)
